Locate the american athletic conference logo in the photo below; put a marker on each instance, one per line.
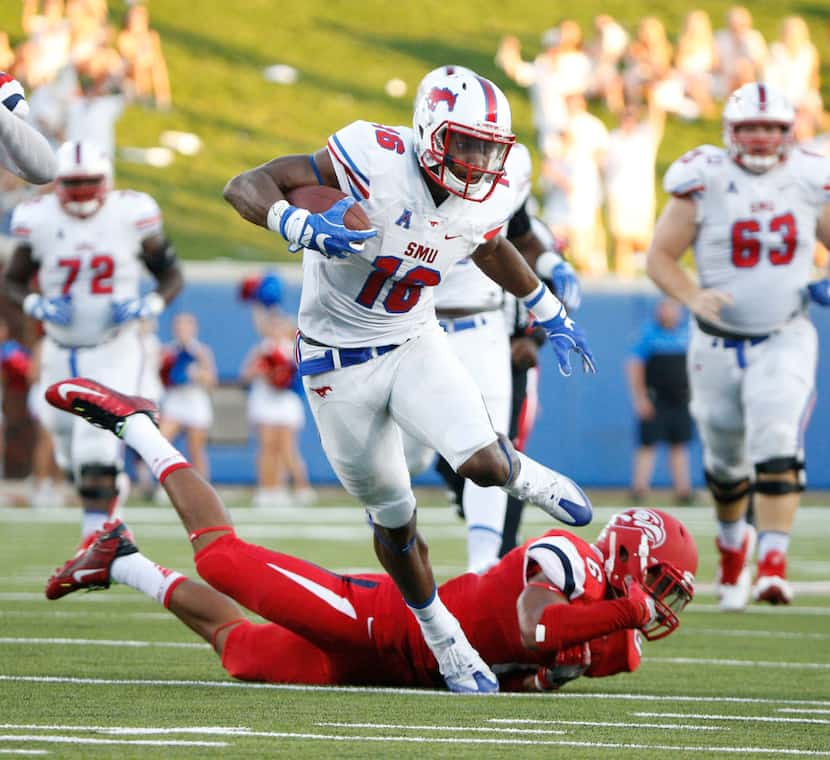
(650, 523)
(441, 95)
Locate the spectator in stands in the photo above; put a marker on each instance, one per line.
(275, 410)
(647, 59)
(561, 68)
(89, 30)
(100, 100)
(630, 184)
(46, 484)
(793, 65)
(146, 68)
(14, 373)
(741, 50)
(696, 59)
(606, 51)
(6, 53)
(659, 386)
(573, 187)
(188, 372)
(49, 41)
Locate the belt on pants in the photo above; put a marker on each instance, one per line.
(336, 358)
(465, 323)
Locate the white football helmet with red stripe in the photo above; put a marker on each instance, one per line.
(757, 104)
(462, 133)
(83, 178)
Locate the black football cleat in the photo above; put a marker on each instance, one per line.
(90, 567)
(98, 404)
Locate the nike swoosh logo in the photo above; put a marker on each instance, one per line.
(69, 387)
(79, 575)
(340, 603)
(451, 237)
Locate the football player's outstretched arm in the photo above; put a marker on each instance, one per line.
(27, 148)
(820, 291)
(501, 262)
(673, 234)
(253, 192)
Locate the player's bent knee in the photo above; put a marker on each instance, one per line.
(392, 514)
(726, 490)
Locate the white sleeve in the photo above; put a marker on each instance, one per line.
(24, 223)
(145, 215)
(561, 564)
(349, 149)
(815, 171)
(684, 177)
(24, 151)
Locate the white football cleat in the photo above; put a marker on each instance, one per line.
(462, 668)
(552, 492)
(734, 581)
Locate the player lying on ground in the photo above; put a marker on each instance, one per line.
(553, 609)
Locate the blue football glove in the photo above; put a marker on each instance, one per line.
(324, 232)
(565, 337)
(143, 307)
(57, 310)
(566, 285)
(820, 292)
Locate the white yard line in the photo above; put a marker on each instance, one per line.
(136, 644)
(753, 718)
(124, 643)
(415, 692)
(758, 609)
(79, 740)
(602, 724)
(802, 710)
(126, 730)
(746, 633)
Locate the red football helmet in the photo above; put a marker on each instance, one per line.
(756, 104)
(83, 178)
(462, 133)
(656, 550)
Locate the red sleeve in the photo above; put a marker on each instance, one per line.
(563, 625)
(616, 653)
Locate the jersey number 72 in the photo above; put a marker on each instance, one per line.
(102, 266)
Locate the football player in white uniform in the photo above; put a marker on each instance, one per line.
(471, 308)
(23, 150)
(88, 245)
(372, 355)
(752, 212)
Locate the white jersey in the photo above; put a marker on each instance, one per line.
(755, 232)
(465, 286)
(95, 260)
(383, 295)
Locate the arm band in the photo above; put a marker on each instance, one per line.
(543, 304)
(563, 625)
(546, 263)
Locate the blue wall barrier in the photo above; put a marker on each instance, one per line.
(586, 425)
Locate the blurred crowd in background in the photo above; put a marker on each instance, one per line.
(639, 76)
(79, 72)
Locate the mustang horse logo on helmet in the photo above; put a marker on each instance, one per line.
(441, 95)
(651, 524)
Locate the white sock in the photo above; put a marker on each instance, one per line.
(140, 434)
(142, 574)
(437, 623)
(91, 522)
(531, 477)
(772, 541)
(731, 534)
(482, 549)
(484, 510)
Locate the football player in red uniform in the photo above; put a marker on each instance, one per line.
(551, 610)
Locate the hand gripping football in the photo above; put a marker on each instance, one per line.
(319, 198)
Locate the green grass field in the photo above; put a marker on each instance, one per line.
(111, 674)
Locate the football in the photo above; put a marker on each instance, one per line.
(319, 198)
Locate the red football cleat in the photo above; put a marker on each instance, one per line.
(98, 404)
(734, 579)
(90, 568)
(771, 584)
